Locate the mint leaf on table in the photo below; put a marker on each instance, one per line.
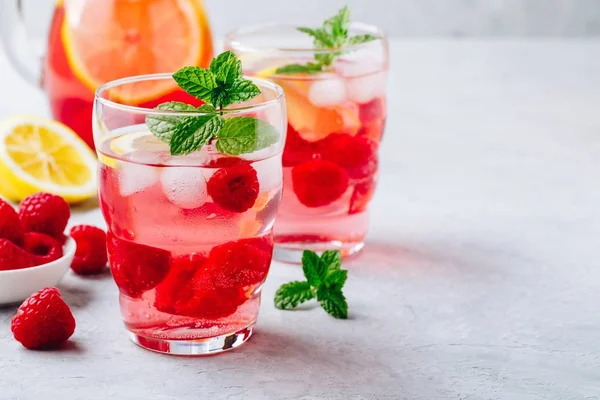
(194, 133)
(333, 35)
(324, 280)
(219, 86)
(293, 294)
(244, 134)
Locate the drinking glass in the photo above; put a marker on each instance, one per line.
(189, 237)
(336, 121)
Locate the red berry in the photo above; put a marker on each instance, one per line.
(13, 257)
(44, 213)
(90, 256)
(10, 224)
(44, 320)
(241, 263)
(212, 303)
(176, 289)
(319, 183)
(223, 162)
(362, 194)
(43, 248)
(234, 188)
(357, 155)
(135, 267)
(372, 111)
(297, 150)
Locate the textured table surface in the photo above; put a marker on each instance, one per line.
(480, 280)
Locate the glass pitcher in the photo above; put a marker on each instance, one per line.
(91, 42)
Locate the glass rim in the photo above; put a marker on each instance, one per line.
(230, 39)
(153, 111)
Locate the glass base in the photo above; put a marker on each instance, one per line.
(194, 347)
(291, 251)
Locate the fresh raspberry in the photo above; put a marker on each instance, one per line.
(13, 257)
(176, 289)
(241, 263)
(44, 213)
(44, 320)
(297, 150)
(362, 194)
(357, 155)
(43, 248)
(135, 267)
(10, 224)
(371, 111)
(319, 183)
(224, 162)
(90, 256)
(212, 303)
(234, 188)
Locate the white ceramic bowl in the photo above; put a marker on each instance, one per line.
(18, 284)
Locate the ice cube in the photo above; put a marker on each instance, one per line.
(184, 186)
(365, 88)
(135, 175)
(327, 92)
(269, 173)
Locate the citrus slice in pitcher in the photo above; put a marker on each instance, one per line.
(111, 39)
(41, 155)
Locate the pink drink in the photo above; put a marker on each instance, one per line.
(187, 267)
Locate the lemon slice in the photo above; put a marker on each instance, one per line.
(41, 155)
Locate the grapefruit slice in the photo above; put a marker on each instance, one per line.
(111, 39)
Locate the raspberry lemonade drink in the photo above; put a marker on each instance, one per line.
(189, 195)
(334, 78)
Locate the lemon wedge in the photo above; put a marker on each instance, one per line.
(41, 155)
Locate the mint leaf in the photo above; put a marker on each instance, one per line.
(338, 25)
(206, 108)
(358, 39)
(313, 268)
(226, 67)
(333, 302)
(291, 294)
(239, 91)
(336, 278)
(332, 260)
(163, 126)
(245, 135)
(322, 39)
(308, 68)
(195, 132)
(196, 81)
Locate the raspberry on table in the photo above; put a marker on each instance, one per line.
(10, 224)
(91, 256)
(136, 268)
(319, 183)
(44, 213)
(13, 257)
(44, 320)
(234, 188)
(43, 248)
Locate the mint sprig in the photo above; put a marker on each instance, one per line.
(324, 281)
(333, 35)
(219, 86)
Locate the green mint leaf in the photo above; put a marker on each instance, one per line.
(338, 26)
(226, 67)
(336, 278)
(322, 38)
(332, 259)
(163, 126)
(291, 294)
(195, 132)
(245, 135)
(196, 81)
(333, 302)
(313, 268)
(358, 39)
(206, 108)
(239, 91)
(308, 68)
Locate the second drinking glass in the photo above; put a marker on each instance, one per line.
(336, 119)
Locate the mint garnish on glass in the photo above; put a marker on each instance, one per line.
(219, 86)
(333, 35)
(324, 281)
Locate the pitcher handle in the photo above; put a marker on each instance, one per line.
(16, 41)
